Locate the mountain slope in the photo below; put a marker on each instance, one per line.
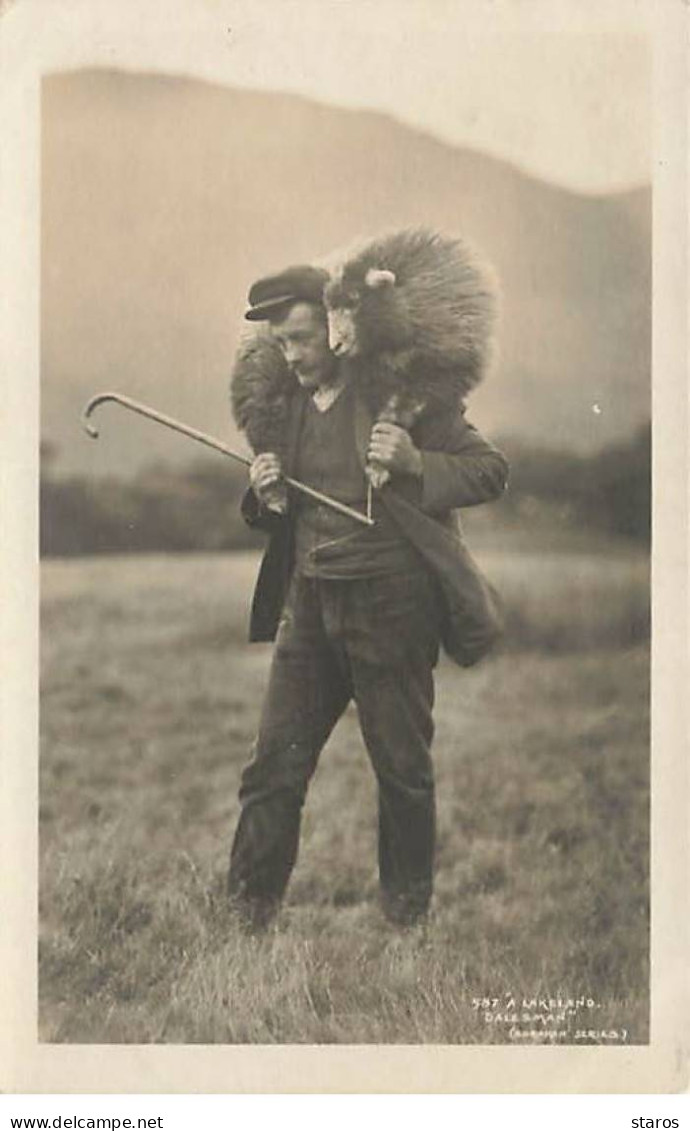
(163, 198)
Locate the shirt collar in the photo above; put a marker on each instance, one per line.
(324, 398)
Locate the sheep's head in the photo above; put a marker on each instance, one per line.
(350, 301)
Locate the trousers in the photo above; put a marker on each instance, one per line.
(374, 640)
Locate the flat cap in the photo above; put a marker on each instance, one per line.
(302, 283)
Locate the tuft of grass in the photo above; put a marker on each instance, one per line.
(150, 699)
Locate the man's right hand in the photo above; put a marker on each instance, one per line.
(266, 478)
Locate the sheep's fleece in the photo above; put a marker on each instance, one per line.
(442, 307)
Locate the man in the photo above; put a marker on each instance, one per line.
(360, 609)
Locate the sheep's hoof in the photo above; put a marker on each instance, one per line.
(377, 476)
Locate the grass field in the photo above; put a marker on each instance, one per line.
(150, 698)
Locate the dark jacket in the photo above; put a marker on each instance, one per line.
(460, 469)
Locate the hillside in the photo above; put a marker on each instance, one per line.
(163, 198)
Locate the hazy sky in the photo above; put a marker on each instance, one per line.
(557, 88)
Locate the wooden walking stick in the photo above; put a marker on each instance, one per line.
(210, 442)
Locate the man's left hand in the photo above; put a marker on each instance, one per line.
(391, 447)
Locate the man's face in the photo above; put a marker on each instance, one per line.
(303, 337)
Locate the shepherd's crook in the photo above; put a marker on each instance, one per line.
(210, 442)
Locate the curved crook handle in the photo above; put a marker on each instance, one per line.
(88, 427)
(160, 417)
(210, 442)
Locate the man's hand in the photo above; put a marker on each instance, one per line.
(265, 476)
(390, 447)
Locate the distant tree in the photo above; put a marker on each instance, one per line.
(196, 508)
(609, 491)
(623, 476)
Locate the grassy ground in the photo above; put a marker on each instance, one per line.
(149, 702)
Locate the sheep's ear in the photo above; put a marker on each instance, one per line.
(377, 277)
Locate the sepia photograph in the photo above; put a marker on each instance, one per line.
(345, 527)
(287, 840)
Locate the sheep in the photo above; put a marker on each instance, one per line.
(414, 312)
(410, 313)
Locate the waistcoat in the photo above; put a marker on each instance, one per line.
(329, 544)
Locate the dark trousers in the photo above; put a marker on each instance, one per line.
(374, 640)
